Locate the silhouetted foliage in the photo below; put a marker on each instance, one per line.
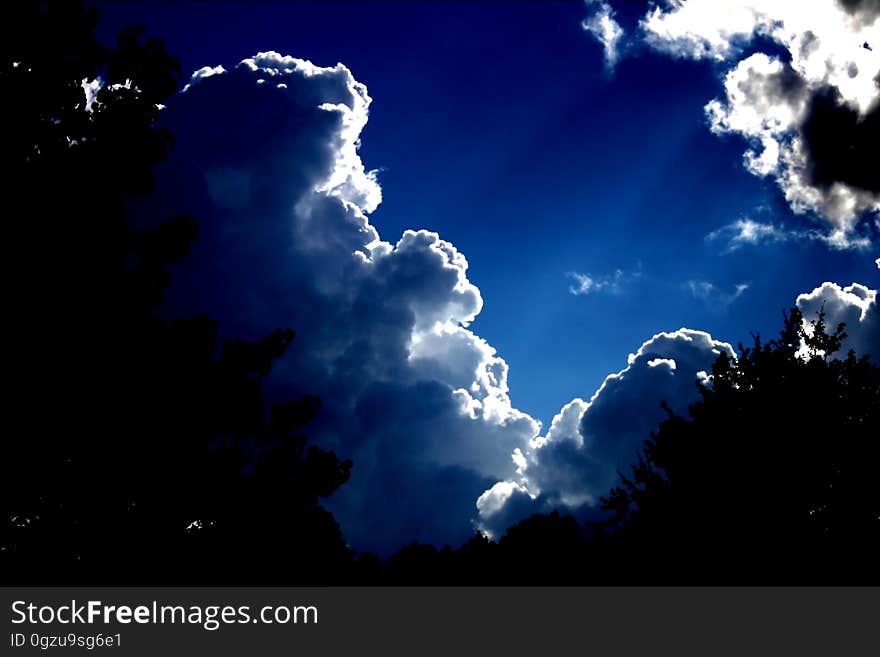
(772, 479)
(143, 450)
(540, 550)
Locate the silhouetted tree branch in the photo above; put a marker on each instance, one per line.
(143, 449)
(772, 477)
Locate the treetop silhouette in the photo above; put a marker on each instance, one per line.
(145, 448)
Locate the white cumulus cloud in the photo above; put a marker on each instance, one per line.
(588, 443)
(418, 401)
(855, 305)
(792, 109)
(410, 393)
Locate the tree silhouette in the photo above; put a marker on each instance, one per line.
(140, 448)
(771, 480)
(143, 450)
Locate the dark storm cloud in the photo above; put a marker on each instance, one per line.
(267, 161)
(842, 146)
(865, 9)
(507, 503)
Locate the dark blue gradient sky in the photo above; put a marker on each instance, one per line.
(496, 125)
(583, 196)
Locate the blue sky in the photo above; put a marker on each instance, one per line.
(500, 127)
(497, 125)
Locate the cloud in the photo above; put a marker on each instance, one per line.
(613, 283)
(744, 232)
(868, 8)
(267, 160)
(810, 118)
(713, 297)
(602, 25)
(588, 443)
(856, 305)
(748, 232)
